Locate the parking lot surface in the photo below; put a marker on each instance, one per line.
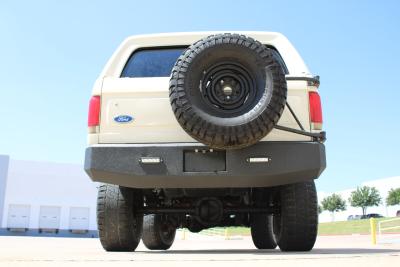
(197, 250)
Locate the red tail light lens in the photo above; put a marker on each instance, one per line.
(94, 111)
(315, 108)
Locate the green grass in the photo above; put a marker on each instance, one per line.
(351, 227)
(329, 228)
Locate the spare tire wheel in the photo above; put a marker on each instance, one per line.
(227, 91)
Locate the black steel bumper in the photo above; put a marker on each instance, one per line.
(196, 166)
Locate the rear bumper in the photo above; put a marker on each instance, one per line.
(183, 167)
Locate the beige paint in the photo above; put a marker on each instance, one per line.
(147, 101)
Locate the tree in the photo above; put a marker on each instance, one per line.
(333, 203)
(365, 197)
(394, 197)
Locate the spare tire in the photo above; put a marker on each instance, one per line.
(228, 90)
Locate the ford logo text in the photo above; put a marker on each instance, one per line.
(123, 119)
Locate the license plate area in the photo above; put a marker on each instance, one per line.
(204, 161)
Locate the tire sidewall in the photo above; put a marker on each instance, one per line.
(246, 57)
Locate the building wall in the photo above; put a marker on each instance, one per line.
(4, 161)
(49, 184)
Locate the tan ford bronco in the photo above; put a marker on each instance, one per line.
(206, 129)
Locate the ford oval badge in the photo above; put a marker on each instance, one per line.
(123, 119)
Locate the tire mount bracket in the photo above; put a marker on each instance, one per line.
(318, 137)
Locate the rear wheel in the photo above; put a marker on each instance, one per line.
(296, 225)
(262, 231)
(158, 232)
(120, 227)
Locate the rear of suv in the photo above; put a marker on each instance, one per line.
(198, 130)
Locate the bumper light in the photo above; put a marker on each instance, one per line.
(150, 160)
(258, 160)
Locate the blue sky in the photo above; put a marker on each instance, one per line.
(52, 51)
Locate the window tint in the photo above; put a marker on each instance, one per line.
(151, 62)
(159, 62)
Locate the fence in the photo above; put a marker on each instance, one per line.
(389, 230)
(393, 224)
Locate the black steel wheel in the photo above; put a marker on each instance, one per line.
(228, 88)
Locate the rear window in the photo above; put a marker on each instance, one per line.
(158, 62)
(151, 63)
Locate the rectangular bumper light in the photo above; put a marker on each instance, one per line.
(258, 160)
(150, 160)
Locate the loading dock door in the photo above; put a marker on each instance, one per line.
(18, 216)
(79, 218)
(49, 217)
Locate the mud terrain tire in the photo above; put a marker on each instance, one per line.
(158, 234)
(296, 226)
(228, 90)
(120, 227)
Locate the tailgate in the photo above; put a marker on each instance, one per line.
(146, 101)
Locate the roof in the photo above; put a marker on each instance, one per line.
(293, 61)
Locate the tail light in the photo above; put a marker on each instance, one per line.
(94, 111)
(315, 111)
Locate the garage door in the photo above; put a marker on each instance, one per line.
(79, 218)
(49, 217)
(18, 216)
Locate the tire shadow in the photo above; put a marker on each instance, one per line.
(317, 251)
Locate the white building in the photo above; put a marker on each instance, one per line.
(383, 186)
(43, 198)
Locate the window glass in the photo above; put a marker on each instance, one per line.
(159, 62)
(151, 63)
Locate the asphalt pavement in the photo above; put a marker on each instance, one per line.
(198, 250)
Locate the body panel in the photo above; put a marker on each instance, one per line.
(147, 101)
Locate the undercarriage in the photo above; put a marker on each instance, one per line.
(205, 208)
